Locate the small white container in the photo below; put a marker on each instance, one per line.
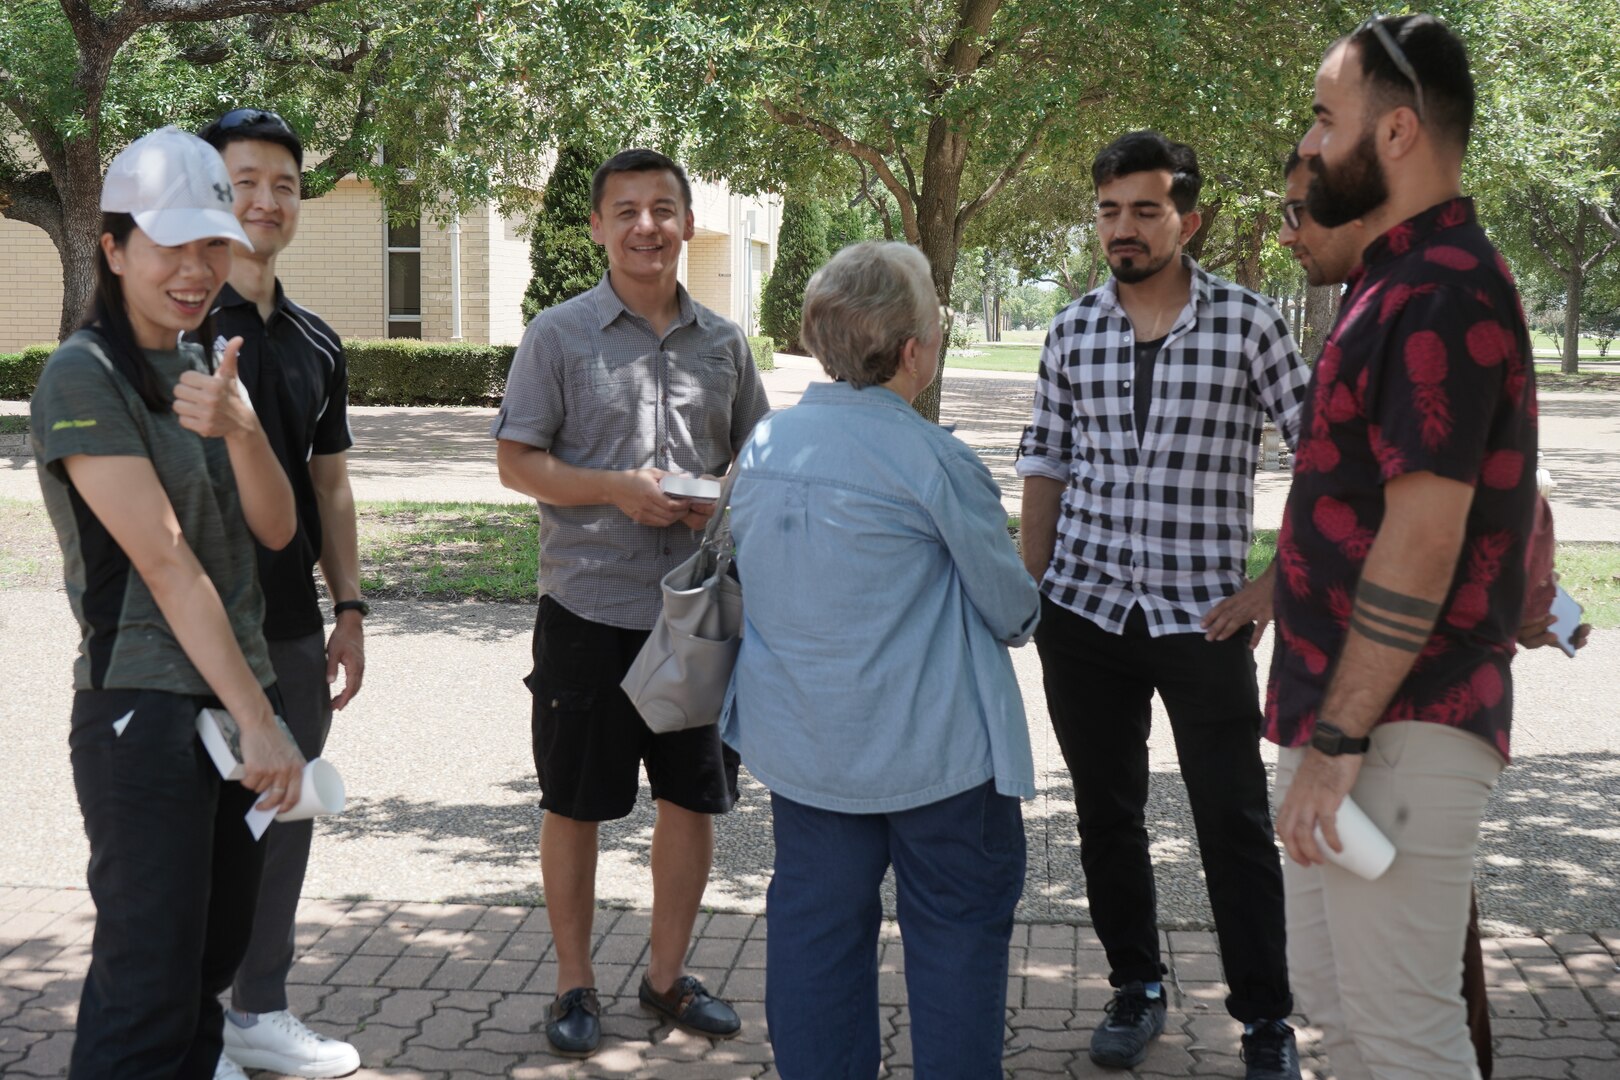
(322, 793)
(1367, 852)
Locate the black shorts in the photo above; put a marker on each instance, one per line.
(589, 741)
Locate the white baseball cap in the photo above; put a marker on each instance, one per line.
(176, 187)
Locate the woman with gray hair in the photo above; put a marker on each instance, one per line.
(874, 694)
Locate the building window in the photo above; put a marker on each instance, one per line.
(403, 250)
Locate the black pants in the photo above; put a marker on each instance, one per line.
(174, 873)
(1099, 691)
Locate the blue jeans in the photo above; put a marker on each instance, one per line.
(959, 868)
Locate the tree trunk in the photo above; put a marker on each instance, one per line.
(1249, 272)
(1574, 287)
(942, 262)
(1318, 319)
(81, 236)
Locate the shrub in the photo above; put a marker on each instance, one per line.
(19, 372)
(564, 260)
(401, 371)
(764, 350)
(801, 248)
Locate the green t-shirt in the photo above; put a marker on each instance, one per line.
(82, 405)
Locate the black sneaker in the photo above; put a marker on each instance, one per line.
(1134, 1020)
(1269, 1052)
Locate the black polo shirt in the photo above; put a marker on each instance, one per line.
(293, 369)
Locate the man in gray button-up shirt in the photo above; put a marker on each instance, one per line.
(609, 392)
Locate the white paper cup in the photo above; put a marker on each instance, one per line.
(322, 793)
(1367, 852)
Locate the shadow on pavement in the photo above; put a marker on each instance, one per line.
(1569, 882)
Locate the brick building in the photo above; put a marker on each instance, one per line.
(372, 280)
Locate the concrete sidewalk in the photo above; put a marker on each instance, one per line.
(429, 991)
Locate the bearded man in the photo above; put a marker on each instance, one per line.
(1403, 551)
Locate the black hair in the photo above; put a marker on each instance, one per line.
(108, 318)
(1148, 151)
(1440, 61)
(257, 125)
(637, 160)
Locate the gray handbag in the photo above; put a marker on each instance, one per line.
(678, 681)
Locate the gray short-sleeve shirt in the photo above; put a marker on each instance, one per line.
(82, 405)
(594, 384)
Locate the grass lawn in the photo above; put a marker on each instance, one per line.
(448, 551)
(1000, 356)
(488, 551)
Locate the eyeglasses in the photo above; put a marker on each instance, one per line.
(253, 118)
(1294, 213)
(1375, 23)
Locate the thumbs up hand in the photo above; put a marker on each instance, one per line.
(215, 406)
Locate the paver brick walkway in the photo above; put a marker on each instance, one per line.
(433, 991)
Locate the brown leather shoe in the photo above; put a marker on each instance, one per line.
(688, 1005)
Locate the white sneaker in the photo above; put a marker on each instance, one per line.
(226, 1069)
(281, 1043)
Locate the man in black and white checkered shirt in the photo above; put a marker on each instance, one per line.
(1138, 475)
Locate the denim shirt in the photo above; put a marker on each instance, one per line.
(881, 594)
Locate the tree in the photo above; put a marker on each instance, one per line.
(801, 249)
(1569, 241)
(564, 258)
(1546, 146)
(438, 103)
(56, 64)
(944, 105)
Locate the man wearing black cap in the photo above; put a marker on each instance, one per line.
(293, 368)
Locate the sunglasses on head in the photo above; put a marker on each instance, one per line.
(237, 119)
(1375, 23)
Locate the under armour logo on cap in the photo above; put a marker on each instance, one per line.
(176, 187)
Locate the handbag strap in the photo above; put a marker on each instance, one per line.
(718, 523)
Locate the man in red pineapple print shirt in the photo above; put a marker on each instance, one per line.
(1402, 558)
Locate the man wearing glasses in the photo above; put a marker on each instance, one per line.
(1329, 257)
(1403, 556)
(1138, 511)
(293, 369)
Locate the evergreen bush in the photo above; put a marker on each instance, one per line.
(564, 260)
(801, 249)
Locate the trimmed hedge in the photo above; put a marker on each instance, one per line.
(19, 372)
(764, 350)
(397, 371)
(401, 371)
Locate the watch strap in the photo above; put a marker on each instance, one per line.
(351, 605)
(1331, 740)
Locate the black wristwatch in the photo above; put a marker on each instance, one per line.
(1333, 742)
(351, 605)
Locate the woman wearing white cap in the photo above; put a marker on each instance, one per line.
(157, 478)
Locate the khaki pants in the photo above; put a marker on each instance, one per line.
(1377, 965)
